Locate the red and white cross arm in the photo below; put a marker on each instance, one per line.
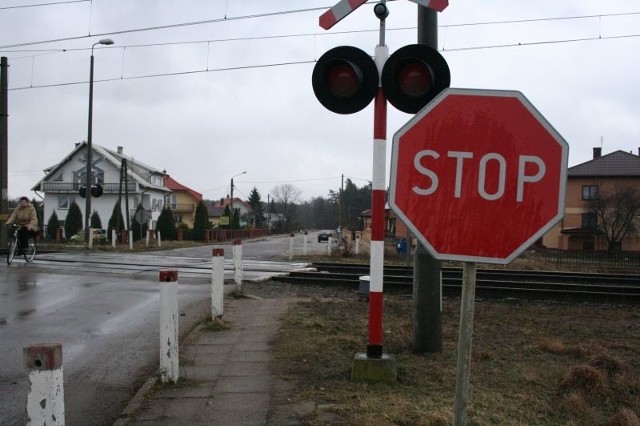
(339, 11)
(438, 5)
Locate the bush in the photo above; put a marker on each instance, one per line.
(96, 223)
(116, 221)
(166, 224)
(201, 221)
(52, 226)
(73, 222)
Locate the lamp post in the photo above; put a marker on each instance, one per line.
(88, 179)
(231, 199)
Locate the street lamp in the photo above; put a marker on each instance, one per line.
(231, 199)
(88, 179)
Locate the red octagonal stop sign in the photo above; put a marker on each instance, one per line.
(478, 175)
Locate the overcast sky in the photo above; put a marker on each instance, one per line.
(231, 91)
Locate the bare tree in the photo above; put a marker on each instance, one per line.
(617, 212)
(286, 198)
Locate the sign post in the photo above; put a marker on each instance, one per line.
(477, 176)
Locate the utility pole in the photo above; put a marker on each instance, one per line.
(4, 138)
(427, 288)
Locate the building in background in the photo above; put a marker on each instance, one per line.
(62, 182)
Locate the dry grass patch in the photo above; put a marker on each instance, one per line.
(533, 363)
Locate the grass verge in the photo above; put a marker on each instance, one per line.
(533, 363)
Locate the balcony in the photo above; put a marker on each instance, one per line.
(107, 188)
(182, 207)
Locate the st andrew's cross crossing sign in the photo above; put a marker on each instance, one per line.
(478, 175)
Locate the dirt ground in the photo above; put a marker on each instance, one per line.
(537, 362)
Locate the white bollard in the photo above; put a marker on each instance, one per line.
(130, 233)
(237, 264)
(45, 401)
(146, 239)
(357, 243)
(329, 243)
(159, 240)
(90, 238)
(169, 357)
(304, 243)
(291, 238)
(217, 283)
(113, 238)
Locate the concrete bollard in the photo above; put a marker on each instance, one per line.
(304, 243)
(130, 234)
(146, 239)
(90, 238)
(45, 400)
(329, 244)
(217, 283)
(113, 238)
(291, 238)
(159, 239)
(237, 264)
(169, 356)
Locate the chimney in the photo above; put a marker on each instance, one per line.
(119, 150)
(597, 153)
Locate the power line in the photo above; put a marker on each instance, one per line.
(459, 49)
(162, 27)
(43, 4)
(294, 11)
(140, 77)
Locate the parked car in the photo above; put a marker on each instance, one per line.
(324, 235)
(99, 235)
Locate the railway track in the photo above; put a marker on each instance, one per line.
(619, 288)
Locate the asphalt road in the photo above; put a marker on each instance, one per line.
(104, 311)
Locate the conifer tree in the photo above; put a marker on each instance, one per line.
(116, 221)
(167, 224)
(96, 223)
(53, 225)
(73, 222)
(200, 221)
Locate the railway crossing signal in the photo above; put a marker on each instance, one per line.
(345, 79)
(96, 191)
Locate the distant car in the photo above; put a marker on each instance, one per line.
(99, 235)
(324, 235)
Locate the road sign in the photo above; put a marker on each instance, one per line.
(478, 175)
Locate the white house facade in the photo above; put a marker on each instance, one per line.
(61, 184)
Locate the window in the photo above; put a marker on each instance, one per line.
(64, 202)
(171, 200)
(590, 192)
(589, 220)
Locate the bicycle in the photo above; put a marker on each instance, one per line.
(28, 252)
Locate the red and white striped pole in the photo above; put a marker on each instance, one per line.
(376, 266)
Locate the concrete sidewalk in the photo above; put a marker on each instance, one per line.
(224, 375)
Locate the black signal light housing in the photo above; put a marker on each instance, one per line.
(414, 75)
(345, 79)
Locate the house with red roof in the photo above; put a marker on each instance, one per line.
(182, 201)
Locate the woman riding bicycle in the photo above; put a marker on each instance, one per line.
(25, 216)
